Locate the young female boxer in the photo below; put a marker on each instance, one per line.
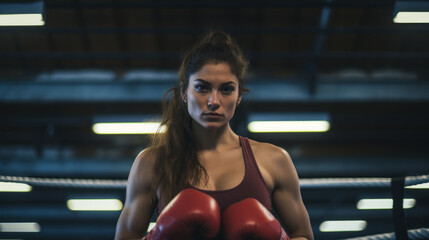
(204, 180)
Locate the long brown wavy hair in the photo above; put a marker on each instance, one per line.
(176, 150)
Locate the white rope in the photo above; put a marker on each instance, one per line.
(358, 182)
(67, 182)
(344, 182)
(414, 234)
(305, 183)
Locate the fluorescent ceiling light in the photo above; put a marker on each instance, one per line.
(411, 17)
(21, 20)
(411, 12)
(384, 203)
(94, 204)
(22, 14)
(342, 226)
(14, 187)
(419, 186)
(127, 128)
(288, 122)
(288, 126)
(19, 227)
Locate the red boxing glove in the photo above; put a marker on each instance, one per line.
(190, 212)
(249, 219)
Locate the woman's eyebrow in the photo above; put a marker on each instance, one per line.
(208, 83)
(230, 82)
(201, 80)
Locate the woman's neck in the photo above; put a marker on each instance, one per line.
(214, 139)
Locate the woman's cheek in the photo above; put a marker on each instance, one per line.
(232, 108)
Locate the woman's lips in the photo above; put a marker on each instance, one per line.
(212, 116)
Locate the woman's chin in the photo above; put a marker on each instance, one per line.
(210, 125)
(213, 125)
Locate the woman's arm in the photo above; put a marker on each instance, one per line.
(286, 195)
(139, 203)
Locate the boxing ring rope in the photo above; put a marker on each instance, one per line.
(421, 233)
(359, 182)
(67, 182)
(304, 183)
(311, 183)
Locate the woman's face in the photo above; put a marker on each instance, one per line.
(212, 95)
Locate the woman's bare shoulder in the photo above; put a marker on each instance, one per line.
(144, 165)
(278, 163)
(268, 151)
(146, 157)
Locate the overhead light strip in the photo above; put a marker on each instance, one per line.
(14, 187)
(19, 227)
(94, 205)
(28, 13)
(288, 126)
(343, 226)
(383, 203)
(411, 17)
(127, 128)
(35, 19)
(268, 122)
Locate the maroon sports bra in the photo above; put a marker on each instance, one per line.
(252, 185)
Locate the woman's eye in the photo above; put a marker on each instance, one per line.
(228, 89)
(201, 88)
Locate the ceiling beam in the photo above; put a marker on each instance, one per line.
(302, 55)
(329, 166)
(222, 4)
(414, 29)
(261, 91)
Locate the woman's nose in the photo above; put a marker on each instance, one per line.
(213, 101)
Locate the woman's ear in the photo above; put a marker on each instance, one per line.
(184, 97)
(238, 101)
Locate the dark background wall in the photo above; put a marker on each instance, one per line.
(94, 59)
